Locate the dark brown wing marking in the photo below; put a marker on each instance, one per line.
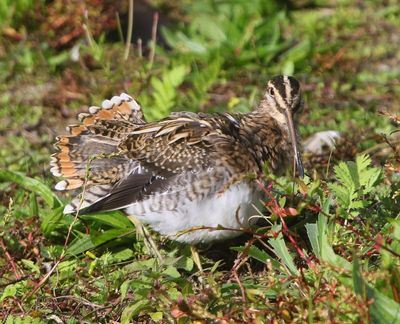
(173, 144)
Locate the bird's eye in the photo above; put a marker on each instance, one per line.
(298, 107)
(271, 92)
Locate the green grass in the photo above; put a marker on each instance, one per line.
(337, 259)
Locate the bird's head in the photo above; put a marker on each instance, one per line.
(282, 100)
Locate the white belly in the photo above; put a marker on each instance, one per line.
(231, 210)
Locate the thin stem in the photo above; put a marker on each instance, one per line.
(140, 47)
(86, 29)
(130, 29)
(119, 28)
(153, 40)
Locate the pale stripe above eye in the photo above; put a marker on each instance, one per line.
(288, 87)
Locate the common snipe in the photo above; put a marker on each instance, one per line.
(183, 172)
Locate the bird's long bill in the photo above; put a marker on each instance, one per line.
(298, 165)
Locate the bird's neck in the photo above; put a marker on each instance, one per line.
(268, 140)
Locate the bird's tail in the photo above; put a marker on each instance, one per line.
(89, 158)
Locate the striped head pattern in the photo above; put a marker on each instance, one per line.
(282, 100)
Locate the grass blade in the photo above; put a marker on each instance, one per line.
(33, 185)
(280, 249)
(115, 219)
(382, 309)
(259, 255)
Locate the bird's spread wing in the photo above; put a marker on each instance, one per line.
(91, 142)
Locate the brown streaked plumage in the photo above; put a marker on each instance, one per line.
(187, 170)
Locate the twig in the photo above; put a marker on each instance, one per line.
(44, 279)
(235, 274)
(240, 260)
(129, 33)
(380, 146)
(80, 300)
(377, 241)
(14, 281)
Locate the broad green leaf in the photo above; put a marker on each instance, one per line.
(312, 233)
(156, 316)
(80, 245)
(180, 42)
(102, 237)
(31, 265)
(280, 249)
(327, 253)
(174, 293)
(382, 309)
(369, 176)
(133, 310)
(172, 272)
(175, 76)
(343, 174)
(363, 161)
(123, 289)
(318, 236)
(122, 255)
(115, 219)
(298, 52)
(370, 179)
(33, 185)
(23, 319)
(342, 193)
(34, 208)
(142, 265)
(288, 68)
(259, 255)
(207, 26)
(185, 263)
(9, 291)
(358, 282)
(51, 220)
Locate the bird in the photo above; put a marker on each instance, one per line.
(189, 176)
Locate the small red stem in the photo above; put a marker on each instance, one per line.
(10, 259)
